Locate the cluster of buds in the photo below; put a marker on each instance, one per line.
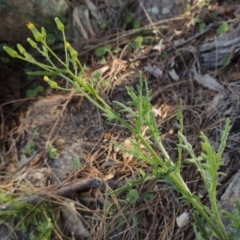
(40, 37)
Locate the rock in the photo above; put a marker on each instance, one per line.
(15, 14)
(229, 198)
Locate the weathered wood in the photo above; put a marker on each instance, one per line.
(225, 45)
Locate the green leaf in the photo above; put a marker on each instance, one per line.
(128, 18)
(199, 227)
(39, 89)
(32, 235)
(76, 163)
(36, 133)
(164, 55)
(202, 26)
(29, 148)
(101, 51)
(52, 151)
(148, 197)
(226, 61)
(97, 76)
(198, 20)
(132, 196)
(224, 136)
(137, 43)
(31, 93)
(104, 24)
(222, 28)
(136, 24)
(5, 59)
(215, 14)
(51, 39)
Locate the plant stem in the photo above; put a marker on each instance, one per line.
(177, 181)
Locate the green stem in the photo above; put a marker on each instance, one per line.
(105, 108)
(65, 48)
(215, 209)
(151, 150)
(51, 51)
(177, 181)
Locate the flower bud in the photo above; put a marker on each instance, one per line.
(37, 35)
(72, 51)
(32, 43)
(21, 49)
(11, 52)
(52, 83)
(43, 31)
(60, 26)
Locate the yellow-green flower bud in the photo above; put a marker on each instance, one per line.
(60, 26)
(37, 35)
(43, 31)
(52, 84)
(21, 49)
(32, 43)
(71, 50)
(11, 52)
(45, 78)
(74, 53)
(67, 44)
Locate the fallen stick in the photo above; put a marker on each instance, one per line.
(49, 194)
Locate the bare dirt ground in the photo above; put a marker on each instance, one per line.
(83, 162)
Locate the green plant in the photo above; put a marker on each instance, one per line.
(201, 23)
(30, 148)
(34, 92)
(34, 222)
(101, 51)
(129, 21)
(146, 134)
(132, 196)
(76, 163)
(137, 43)
(36, 133)
(226, 61)
(52, 151)
(223, 28)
